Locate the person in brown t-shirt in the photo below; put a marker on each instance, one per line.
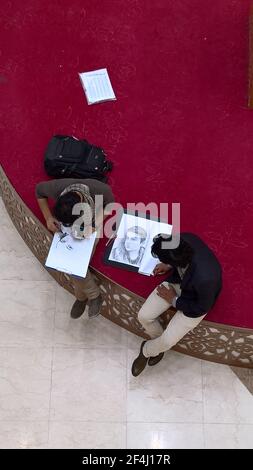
(66, 193)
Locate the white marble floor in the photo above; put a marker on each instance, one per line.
(67, 383)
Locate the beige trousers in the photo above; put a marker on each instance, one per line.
(85, 288)
(178, 326)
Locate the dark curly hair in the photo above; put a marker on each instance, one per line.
(178, 257)
(64, 206)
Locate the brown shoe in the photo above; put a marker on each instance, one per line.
(95, 306)
(140, 362)
(78, 308)
(153, 360)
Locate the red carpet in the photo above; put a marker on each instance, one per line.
(180, 130)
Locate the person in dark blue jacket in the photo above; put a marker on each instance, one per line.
(192, 287)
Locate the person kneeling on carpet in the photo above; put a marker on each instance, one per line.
(192, 287)
(68, 192)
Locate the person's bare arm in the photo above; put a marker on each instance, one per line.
(52, 223)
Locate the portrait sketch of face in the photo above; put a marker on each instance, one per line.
(133, 241)
(131, 247)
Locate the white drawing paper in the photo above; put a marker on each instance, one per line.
(134, 240)
(70, 255)
(97, 86)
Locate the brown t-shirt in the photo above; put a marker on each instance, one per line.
(53, 188)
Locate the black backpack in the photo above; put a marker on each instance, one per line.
(68, 157)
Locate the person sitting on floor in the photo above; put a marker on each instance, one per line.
(192, 288)
(67, 192)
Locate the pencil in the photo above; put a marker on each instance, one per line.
(113, 235)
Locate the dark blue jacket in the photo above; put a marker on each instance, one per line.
(202, 281)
